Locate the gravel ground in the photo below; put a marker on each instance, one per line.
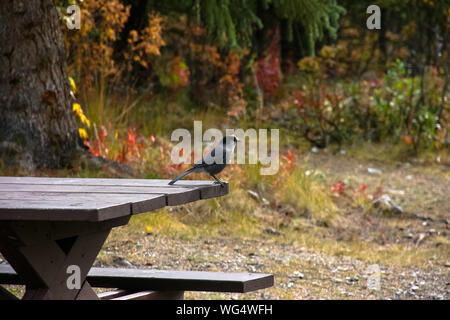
(299, 273)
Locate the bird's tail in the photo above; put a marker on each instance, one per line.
(181, 176)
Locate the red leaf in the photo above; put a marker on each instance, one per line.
(290, 156)
(407, 140)
(338, 188)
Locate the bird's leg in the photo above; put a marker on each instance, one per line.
(218, 180)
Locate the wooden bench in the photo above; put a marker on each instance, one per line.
(143, 284)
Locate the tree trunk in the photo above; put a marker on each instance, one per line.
(37, 125)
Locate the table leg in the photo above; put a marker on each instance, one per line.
(43, 260)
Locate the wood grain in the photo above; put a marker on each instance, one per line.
(86, 199)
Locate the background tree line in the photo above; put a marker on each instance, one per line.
(309, 66)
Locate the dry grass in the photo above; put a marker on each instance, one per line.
(306, 194)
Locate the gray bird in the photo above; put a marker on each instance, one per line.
(215, 161)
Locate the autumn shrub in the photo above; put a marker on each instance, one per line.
(105, 72)
(394, 107)
(211, 75)
(268, 74)
(90, 49)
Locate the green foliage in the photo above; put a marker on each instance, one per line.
(315, 16)
(402, 107)
(231, 23)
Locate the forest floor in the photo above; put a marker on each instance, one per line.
(411, 248)
(410, 245)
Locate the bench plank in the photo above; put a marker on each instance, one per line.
(162, 280)
(150, 295)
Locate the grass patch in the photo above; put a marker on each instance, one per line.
(306, 194)
(160, 222)
(392, 153)
(227, 216)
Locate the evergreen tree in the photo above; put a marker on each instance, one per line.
(232, 23)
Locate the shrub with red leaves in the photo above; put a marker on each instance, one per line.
(269, 71)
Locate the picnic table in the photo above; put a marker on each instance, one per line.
(48, 225)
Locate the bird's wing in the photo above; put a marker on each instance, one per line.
(211, 158)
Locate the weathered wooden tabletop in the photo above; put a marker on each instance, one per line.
(83, 199)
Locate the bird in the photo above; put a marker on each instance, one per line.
(224, 150)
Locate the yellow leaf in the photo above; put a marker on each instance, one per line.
(111, 34)
(83, 133)
(76, 108)
(149, 229)
(72, 84)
